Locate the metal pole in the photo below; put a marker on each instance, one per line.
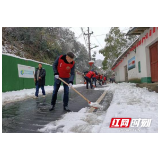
(89, 49)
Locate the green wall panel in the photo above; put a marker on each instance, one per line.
(12, 82)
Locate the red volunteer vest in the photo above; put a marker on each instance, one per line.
(104, 78)
(100, 77)
(63, 68)
(97, 76)
(89, 74)
(94, 75)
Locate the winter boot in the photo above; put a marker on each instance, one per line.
(52, 108)
(67, 109)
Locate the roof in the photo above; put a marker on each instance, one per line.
(136, 30)
(124, 53)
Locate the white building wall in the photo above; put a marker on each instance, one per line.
(120, 71)
(79, 78)
(117, 75)
(142, 54)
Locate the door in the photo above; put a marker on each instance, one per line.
(126, 73)
(154, 61)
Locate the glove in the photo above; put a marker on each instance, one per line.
(56, 76)
(70, 85)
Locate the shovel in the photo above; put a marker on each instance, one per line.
(91, 104)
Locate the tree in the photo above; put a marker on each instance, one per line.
(82, 57)
(116, 44)
(45, 44)
(93, 58)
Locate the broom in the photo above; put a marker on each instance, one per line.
(91, 104)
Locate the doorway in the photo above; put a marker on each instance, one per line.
(126, 73)
(154, 61)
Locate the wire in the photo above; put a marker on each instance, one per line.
(96, 39)
(98, 42)
(106, 33)
(79, 36)
(98, 35)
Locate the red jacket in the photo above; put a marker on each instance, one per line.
(104, 78)
(63, 68)
(89, 74)
(97, 76)
(101, 77)
(94, 75)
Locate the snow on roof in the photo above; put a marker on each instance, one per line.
(136, 30)
(124, 52)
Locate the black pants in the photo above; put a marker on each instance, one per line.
(100, 82)
(94, 81)
(88, 80)
(57, 84)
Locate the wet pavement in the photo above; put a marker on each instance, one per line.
(29, 115)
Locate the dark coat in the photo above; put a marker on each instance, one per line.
(42, 74)
(85, 72)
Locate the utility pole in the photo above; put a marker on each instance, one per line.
(89, 48)
(89, 44)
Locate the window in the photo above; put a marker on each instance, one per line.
(139, 67)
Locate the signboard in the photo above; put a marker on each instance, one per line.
(131, 63)
(26, 71)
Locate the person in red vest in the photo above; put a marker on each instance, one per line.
(63, 67)
(97, 77)
(94, 78)
(100, 79)
(104, 78)
(84, 74)
(88, 78)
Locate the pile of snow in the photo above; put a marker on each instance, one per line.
(9, 49)
(128, 102)
(75, 122)
(132, 102)
(12, 96)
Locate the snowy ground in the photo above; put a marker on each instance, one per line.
(128, 102)
(13, 96)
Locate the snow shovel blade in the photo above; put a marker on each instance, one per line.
(95, 105)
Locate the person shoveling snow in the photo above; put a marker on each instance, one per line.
(64, 67)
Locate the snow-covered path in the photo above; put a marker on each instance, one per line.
(8, 97)
(128, 102)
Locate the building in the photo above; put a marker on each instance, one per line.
(139, 63)
(79, 77)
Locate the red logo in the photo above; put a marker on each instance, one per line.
(68, 68)
(120, 122)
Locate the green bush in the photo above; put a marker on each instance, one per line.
(134, 80)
